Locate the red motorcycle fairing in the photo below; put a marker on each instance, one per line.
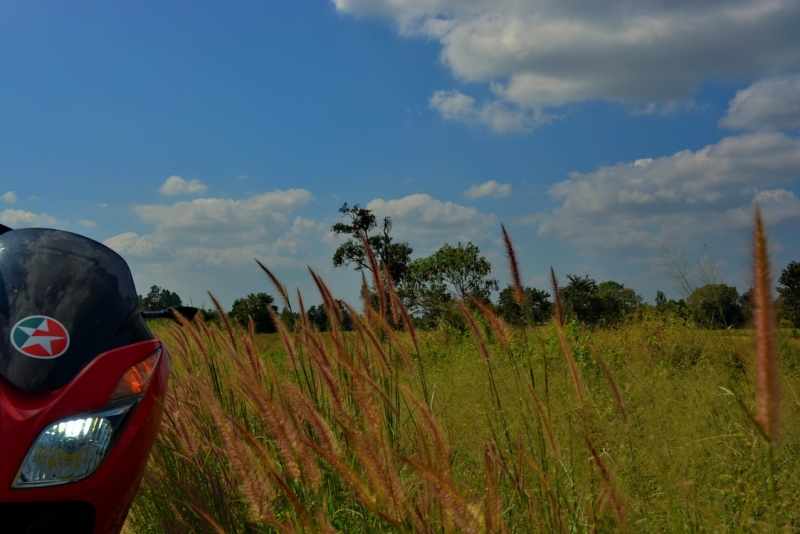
(99, 503)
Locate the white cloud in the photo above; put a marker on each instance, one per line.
(428, 223)
(27, 219)
(130, 243)
(648, 54)
(9, 197)
(175, 185)
(87, 223)
(211, 243)
(679, 198)
(493, 114)
(203, 218)
(211, 230)
(776, 205)
(488, 189)
(772, 104)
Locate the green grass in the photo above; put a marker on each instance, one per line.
(445, 440)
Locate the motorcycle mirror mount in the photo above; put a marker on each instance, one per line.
(187, 312)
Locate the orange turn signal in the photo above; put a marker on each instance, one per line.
(137, 378)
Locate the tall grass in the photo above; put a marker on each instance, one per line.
(654, 426)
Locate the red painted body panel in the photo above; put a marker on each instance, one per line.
(112, 487)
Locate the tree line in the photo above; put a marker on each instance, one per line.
(429, 287)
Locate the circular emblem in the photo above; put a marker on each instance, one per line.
(39, 336)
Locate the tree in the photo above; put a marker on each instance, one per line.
(671, 307)
(537, 308)
(318, 317)
(449, 272)
(159, 299)
(578, 297)
(745, 302)
(347, 319)
(209, 315)
(255, 305)
(790, 294)
(289, 318)
(591, 303)
(716, 306)
(617, 301)
(394, 256)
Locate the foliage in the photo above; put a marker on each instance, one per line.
(209, 315)
(580, 299)
(255, 305)
(289, 318)
(790, 294)
(670, 308)
(596, 304)
(318, 317)
(716, 306)
(159, 299)
(538, 309)
(449, 272)
(394, 256)
(617, 300)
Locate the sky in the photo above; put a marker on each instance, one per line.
(196, 137)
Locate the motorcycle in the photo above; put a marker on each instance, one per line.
(82, 380)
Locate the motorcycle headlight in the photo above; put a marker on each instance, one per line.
(73, 448)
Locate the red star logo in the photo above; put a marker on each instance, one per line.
(40, 336)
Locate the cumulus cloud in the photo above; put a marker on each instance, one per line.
(772, 104)
(488, 189)
(130, 243)
(211, 243)
(86, 223)
(175, 185)
(202, 218)
(493, 114)
(218, 230)
(9, 197)
(678, 197)
(539, 53)
(27, 219)
(428, 223)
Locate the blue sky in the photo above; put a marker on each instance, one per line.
(195, 137)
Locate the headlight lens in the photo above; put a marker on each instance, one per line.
(71, 449)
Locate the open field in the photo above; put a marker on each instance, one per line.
(485, 431)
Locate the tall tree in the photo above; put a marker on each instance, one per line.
(716, 306)
(618, 301)
(579, 299)
(159, 299)
(449, 272)
(289, 318)
(595, 304)
(318, 317)
(790, 294)
(671, 307)
(537, 308)
(255, 305)
(364, 224)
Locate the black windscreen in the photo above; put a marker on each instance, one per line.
(64, 299)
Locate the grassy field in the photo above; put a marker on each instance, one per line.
(491, 430)
(654, 426)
